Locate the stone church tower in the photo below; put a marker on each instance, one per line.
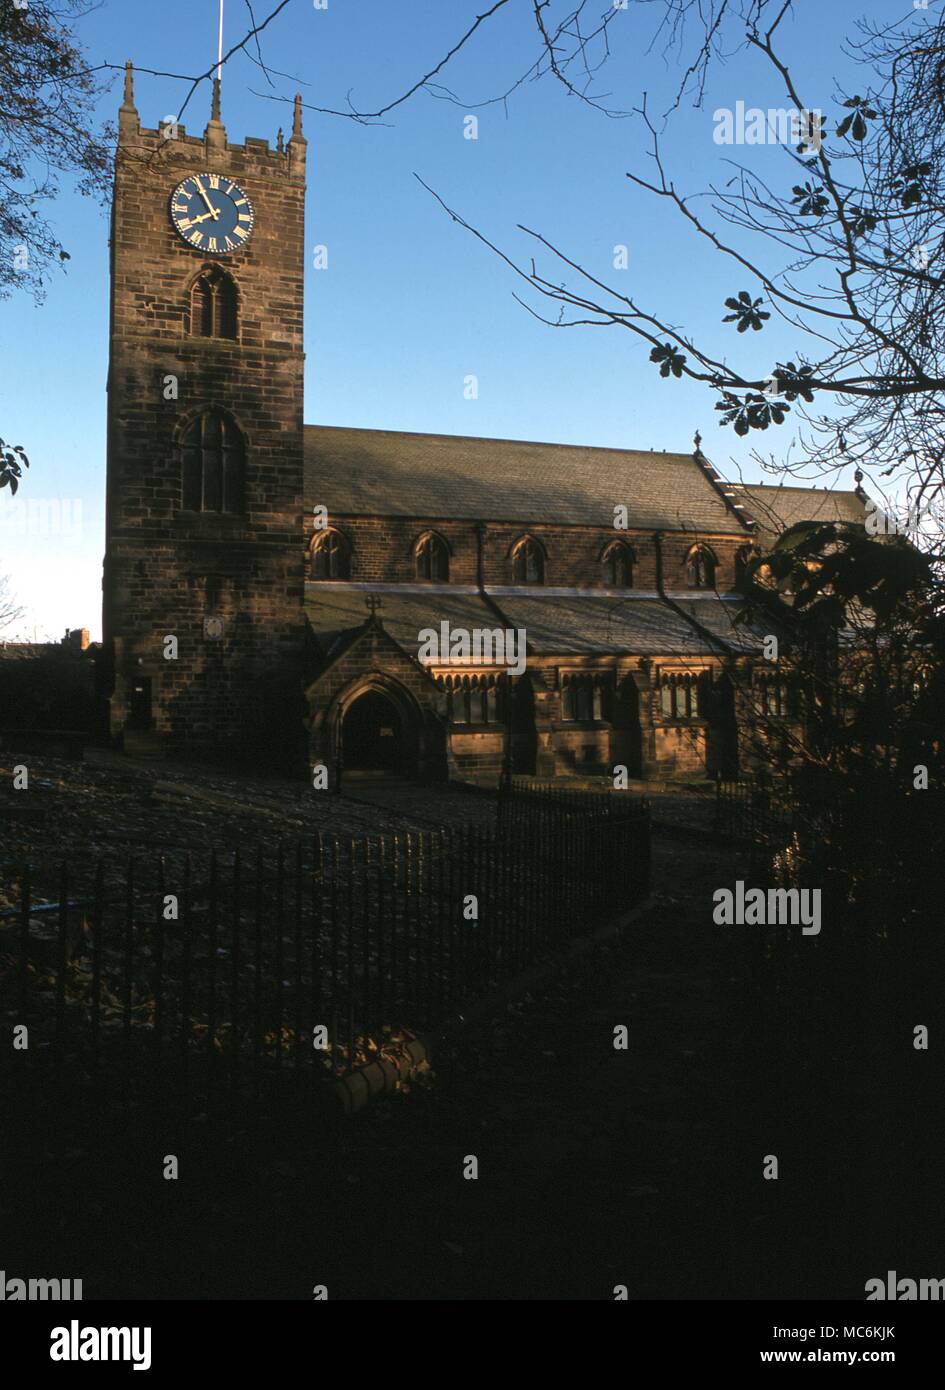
(203, 579)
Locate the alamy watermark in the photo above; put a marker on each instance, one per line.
(778, 125)
(904, 1290)
(477, 646)
(892, 519)
(39, 1290)
(75, 1343)
(37, 516)
(771, 907)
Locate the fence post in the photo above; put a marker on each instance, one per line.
(395, 893)
(367, 1020)
(235, 970)
(186, 923)
(257, 973)
(349, 952)
(25, 896)
(98, 921)
(212, 962)
(129, 954)
(159, 965)
(62, 964)
(298, 953)
(316, 995)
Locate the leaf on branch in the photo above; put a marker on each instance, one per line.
(811, 199)
(753, 412)
(794, 381)
(671, 360)
(12, 462)
(855, 125)
(862, 221)
(745, 310)
(908, 186)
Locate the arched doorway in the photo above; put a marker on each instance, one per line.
(373, 735)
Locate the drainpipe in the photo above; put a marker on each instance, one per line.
(658, 542)
(504, 693)
(480, 575)
(715, 643)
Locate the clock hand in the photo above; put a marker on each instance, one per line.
(214, 212)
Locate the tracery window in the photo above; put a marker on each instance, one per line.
(469, 699)
(213, 458)
(331, 556)
(528, 562)
(618, 565)
(700, 566)
(585, 697)
(680, 696)
(432, 558)
(213, 305)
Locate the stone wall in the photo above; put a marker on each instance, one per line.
(382, 551)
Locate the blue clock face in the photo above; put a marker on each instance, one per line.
(212, 213)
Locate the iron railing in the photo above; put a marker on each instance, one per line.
(310, 956)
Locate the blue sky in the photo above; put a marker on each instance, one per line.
(410, 304)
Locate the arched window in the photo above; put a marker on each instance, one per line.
(618, 566)
(700, 565)
(213, 461)
(432, 557)
(331, 556)
(528, 562)
(213, 305)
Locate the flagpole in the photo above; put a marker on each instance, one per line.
(220, 45)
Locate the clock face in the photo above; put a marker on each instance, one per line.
(212, 213)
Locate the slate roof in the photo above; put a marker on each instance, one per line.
(336, 609)
(556, 624)
(776, 508)
(582, 625)
(434, 476)
(717, 616)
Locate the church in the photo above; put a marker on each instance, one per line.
(270, 587)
